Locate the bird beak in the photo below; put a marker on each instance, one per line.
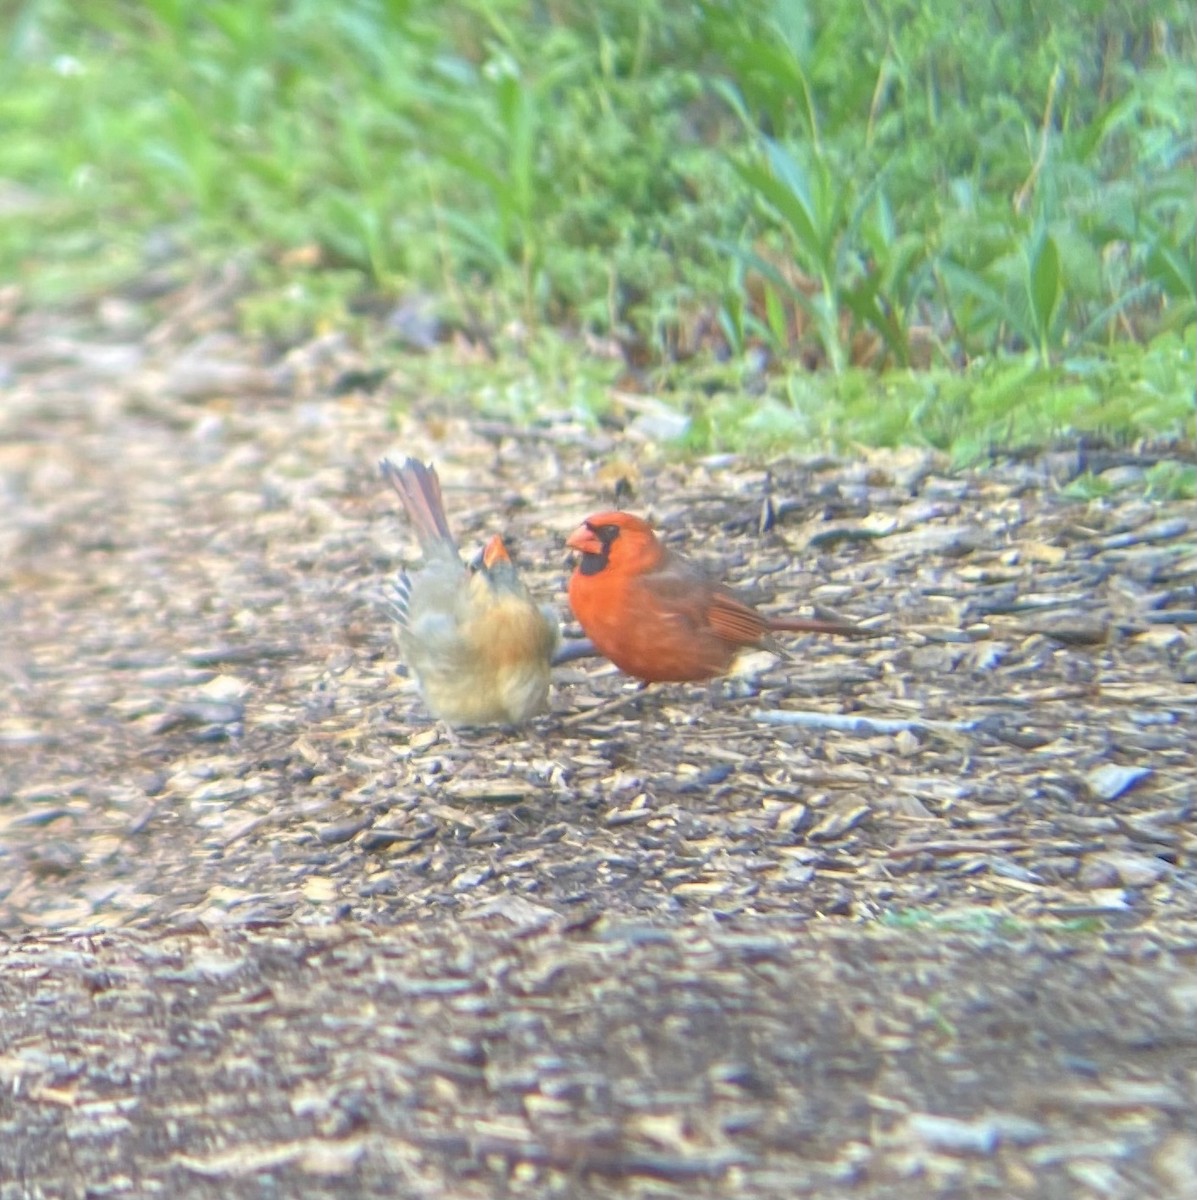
(494, 552)
(584, 540)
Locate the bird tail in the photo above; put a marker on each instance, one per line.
(814, 625)
(420, 491)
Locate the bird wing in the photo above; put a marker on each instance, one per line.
(733, 620)
(431, 603)
(697, 595)
(690, 593)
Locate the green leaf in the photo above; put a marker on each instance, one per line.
(791, 207)
(752, 260)
(1174, 270)
(1046, 287)
(776, 317)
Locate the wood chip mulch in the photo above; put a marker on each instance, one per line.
(910, 915)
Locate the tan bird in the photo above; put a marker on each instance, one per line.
(478, 644)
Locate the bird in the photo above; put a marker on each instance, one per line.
(659, 616)
(479, 646)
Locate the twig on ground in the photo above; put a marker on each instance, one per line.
(864, 726)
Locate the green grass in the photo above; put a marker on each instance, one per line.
(1010, 401)
(801, 222)
(986, 921)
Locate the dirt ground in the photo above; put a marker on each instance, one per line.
(913, 916)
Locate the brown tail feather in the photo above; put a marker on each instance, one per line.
(811, 625)
(419, 489)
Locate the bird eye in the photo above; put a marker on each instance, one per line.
(605, 533)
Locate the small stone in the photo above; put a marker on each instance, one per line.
(1123, 477)
(1071, 628)
(952, 1135)
(342, 831)
(844, 816)
(1127, 868)
(1098, 874)
(319, 889)
(1111, 781)
(1175, 1162)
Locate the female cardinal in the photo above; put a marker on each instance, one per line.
(479, 646)
(659, 616)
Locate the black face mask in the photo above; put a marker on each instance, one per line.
(592, 563)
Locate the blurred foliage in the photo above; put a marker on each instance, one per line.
(897, 185)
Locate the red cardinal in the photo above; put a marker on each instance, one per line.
(657, 615)
(478, 644)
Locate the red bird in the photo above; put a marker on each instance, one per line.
(479, 645)
(657, 615)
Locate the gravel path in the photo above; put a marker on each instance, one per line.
(912, 916)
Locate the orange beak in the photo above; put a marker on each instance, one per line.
(584, 540)
(494, 552)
